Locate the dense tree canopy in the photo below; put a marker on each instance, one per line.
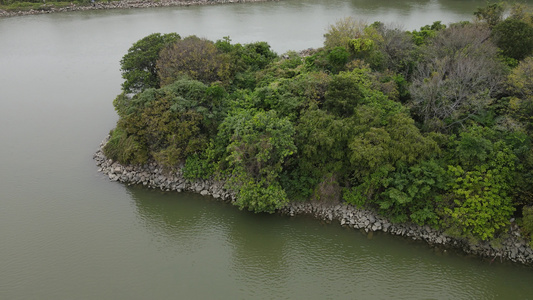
(432, 126)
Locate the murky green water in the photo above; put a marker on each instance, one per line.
(68, 233)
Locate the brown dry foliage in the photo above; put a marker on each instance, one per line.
(193, 57)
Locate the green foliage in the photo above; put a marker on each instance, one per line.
(361, 45)
(369, 47)
(492, 14)
(519, 118)
(193, 57)
(520, 80)
(121, 104)
(407, 194)
(169, 135)
(342, 32)
(344, 93)
(322, 141)
(259, 142)
(522, 11)
(365, 193)
(246, 60)
(520, 85)
(311, 87)
(124, 148)
(261, 196)
(343, 120)
(348, 90)
(198, 167)
(277, 96)
(388, 143)
(483, 176)
(138, 66)
(167, 124)
(483, 205)
(514, 37)
(427, 32)
(527, 221)
(255, 55)
(383, 154)
(298, 184)
(289, 67)
(337, 58)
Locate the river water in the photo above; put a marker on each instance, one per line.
(66, 232)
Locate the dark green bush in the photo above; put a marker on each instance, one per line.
(514, 37)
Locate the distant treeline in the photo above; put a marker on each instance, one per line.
(43, 4)
(433, 126)
(11, 2)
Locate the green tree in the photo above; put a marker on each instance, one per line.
(427, 32)
(167, 124)
(258, 144)
(492, 14)
(483, 172)
(322, 140)
(337, 58)
(392, 141)
(138, 66)
(342, 32)
(415, 193)
(344, 94)
(383, 142)
(514, 37)
(170, 135)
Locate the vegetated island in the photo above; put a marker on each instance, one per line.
(426, 134)
(11, 8)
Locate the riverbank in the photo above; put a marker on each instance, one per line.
(123, 4)
(512, 247)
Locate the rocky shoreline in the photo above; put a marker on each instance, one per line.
(512, 248)
(123, 4)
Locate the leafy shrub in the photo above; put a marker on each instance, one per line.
(345, 92)
(379, 148)
(492, 14)
(169, 135)
(259, 142)
(322, 141)
(514, 37)
(337, 58)
(197, 167)
(483, 204)
(427, 32)
(342, 32)
(261, 196)
(483, 171)
(256, 145)
(124, 148)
